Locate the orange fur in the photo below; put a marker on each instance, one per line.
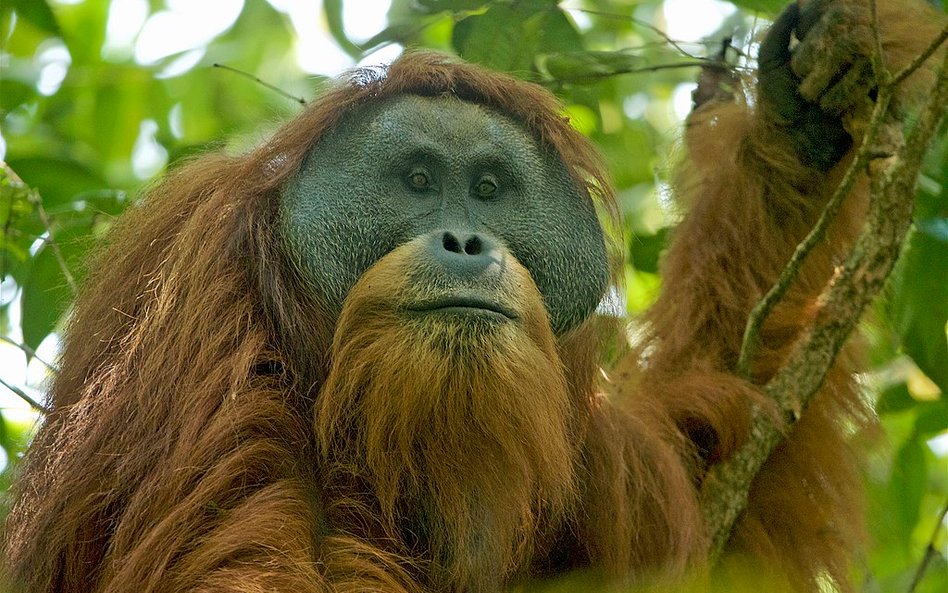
(213, 429)
(749, 203)
(474, 421)
(180, 453)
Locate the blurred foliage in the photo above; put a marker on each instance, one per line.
(84, 125)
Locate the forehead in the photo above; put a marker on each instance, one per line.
(446, 123)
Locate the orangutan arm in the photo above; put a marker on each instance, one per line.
(754, 183)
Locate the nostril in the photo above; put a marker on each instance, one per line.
(473, 245)
(451, 243)
(462, 254)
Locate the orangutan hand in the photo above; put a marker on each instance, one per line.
(807, 89)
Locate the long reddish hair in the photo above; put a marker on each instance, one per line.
(180, 420)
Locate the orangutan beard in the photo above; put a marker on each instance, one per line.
(458, 427)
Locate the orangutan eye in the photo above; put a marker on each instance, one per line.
(486, 187)
(419, 180)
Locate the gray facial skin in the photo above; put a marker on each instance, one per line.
(409, 166)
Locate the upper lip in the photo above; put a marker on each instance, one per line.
(470, 302)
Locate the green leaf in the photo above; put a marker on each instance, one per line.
(57, 179)
(38, 13)
(919, 307)
(937, 228)
(20, 223)
(398, 32)
(582, 65)
(931, 200)
(582, 118)
(99, 201)
(495, 39)
(644, 250)
(46, 292)
(555, 32)
(895, 398)
(629, 154)
(14, 438)
(935, 579)
(453, 5)
(46, 295)
(771, 7)
(83, 26)
(119, 111)
(4, 436)
(13, 93)
(907, 487)
(333, 9)
(932, 418)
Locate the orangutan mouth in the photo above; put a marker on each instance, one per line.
(465, 305)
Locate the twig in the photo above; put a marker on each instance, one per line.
(29, 352)
(7, 226)
(599, 75)
(882, 74)
(920, 58)
(638, 22)
(277, 89)
(51, 241)
(20, 393)
(930, 551)
(725, 490)
(866, 152)
(37, 202)
(765, 306)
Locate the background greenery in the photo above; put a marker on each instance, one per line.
(85, 123)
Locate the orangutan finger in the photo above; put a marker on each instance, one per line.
(811, 11)
(829, 67)
(827, 44)
(851, 89)
(775, 49)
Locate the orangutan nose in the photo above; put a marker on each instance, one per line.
(463, 254)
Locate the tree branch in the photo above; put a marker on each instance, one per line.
(37, 203)
(22, 395)
(930, 551)
(29, 352)
(857, 281)
(263, 83)
(592, 76)
(920, 58)
(638, 23)
(765, 306)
